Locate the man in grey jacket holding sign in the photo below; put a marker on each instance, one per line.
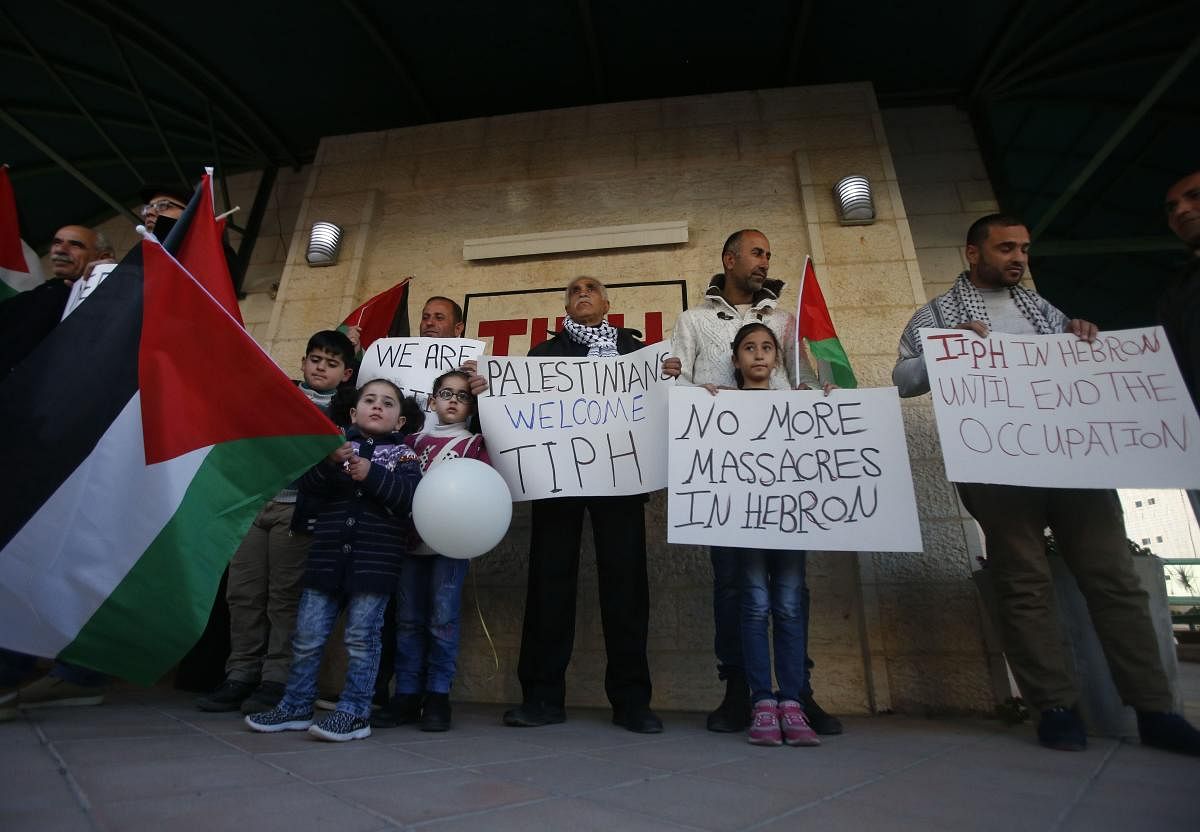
(1087, 524)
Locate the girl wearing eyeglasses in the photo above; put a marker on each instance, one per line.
(430, 592)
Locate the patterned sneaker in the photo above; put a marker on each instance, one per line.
(340, 726)
(764, 727)
(796, 730)
(277, 719)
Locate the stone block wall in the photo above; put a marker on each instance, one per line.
(945, 188)
(889, 630)
(944, 184)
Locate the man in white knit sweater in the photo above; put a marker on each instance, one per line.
(702, 339)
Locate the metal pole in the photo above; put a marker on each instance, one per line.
(33, 139)
(146, 103)
(1161, 86)
(254, 223)
(66, 88)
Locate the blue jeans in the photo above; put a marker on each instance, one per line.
(14, 667)
(428, 604)
(773, 585)
(314, 621)
(727, 613)
(76, 675)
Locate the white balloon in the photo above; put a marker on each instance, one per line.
(462, 508)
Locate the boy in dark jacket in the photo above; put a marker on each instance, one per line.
(366, 489)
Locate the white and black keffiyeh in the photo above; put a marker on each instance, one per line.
(964, 303)
(601, 340)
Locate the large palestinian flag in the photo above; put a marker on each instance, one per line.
(140, 439)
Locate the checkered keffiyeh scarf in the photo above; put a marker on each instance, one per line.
(601, 340)
(964, 303)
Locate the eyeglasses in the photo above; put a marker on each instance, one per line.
(160, 206)
(446, 394)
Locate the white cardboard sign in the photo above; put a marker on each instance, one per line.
(570, 427)
(791, 469)
(1057, 411)
(413, 364)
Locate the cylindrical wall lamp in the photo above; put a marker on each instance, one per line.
(324, 244)
(855, 205)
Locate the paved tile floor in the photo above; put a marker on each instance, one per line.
(147, 760)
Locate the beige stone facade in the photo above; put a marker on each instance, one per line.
(895, 631)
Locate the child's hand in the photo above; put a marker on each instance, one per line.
(341, 455)
(711, 388)
(828, 387)
(358, 467)
(476, 384)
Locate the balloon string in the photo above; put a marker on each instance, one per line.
(486, 633)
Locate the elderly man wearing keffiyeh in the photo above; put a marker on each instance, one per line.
(619, 529)
(1087, 523)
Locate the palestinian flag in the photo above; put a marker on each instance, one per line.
(383, 316)
(196, 241)
(140, 439)
(20, 269)
(815, 326)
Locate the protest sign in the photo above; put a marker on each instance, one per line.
(1057, 411)
(571, 427)
(790, 469)
(413, 364)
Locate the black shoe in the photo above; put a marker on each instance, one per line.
(1061, 729)
(639, 719)
(534, 715)
(404, 709)
(733, 714)
(1170, 732)
(228, 697)
(820, 721)
(265, 697)
(435, 715)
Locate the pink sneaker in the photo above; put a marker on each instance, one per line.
(764, 727)
(796, 730)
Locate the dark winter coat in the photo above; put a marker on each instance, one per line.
(363, 528)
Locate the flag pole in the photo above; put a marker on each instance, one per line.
(799, 307)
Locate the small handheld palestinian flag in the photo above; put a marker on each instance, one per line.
(20, 269)
(815, 326)
(141, 438)
(383, 316)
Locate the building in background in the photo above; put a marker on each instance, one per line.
(1162, 520)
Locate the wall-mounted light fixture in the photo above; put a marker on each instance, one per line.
(324, 244)
(855, 205)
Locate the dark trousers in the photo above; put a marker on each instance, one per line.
(1089, 528)
(619, 532)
